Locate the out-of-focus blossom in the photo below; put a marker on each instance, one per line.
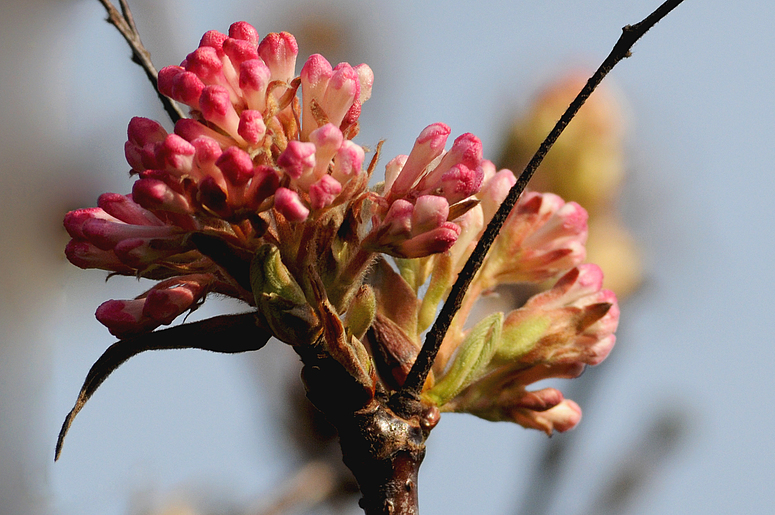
(586, 165)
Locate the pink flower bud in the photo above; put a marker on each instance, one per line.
(155, 194)
(279, 51)
(494, 192)
(466, 151)
(315, 75)
(212, 39)
(190, 130)
(236, 166)
(124, 318)
(217, 108)
(348, 161)
(459, 182)
(392, 170)
(397, 224)
(262, 186)
(142, 131)
(254, 77)
(144, 136)
(428, 146)
(166, 79)
(207, 153)
(187, 88)
(327, 140)
(239, 51)
(125, 209)
(288, 204)
(429, 213)
(171, 298)
(298, 159)
(75, 220)
(434, 241)
(251, 126)
(578, 283)
(106, 234)
(562, 417)
(244, 31)
(341, 92)
(87, 255)
(138, 253)
(206, 64)
(324, 192)
(175, 154)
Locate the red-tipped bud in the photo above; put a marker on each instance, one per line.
(244, 31)
(106, 234)
(279, 51)
(315, 75)
(239, 51)
(87, 255)
(429, 145)
(175, 154)
(298, 159)
(155, 194)
(254, 77)
(217, 108)
(125, 209)
(429, 213)
(236, 166)
(75, 220)
(341, 92)
(288, 204)
(190, 130)
(324, 192)
(466, 151)
(212, 39)
(327, 140)
(348, 161)
(251, 126)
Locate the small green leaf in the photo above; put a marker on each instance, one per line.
(361, 312)
(280, 299)
(521, 335)
(471, 360)
(441, 281)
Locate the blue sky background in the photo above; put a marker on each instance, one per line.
(695, 345)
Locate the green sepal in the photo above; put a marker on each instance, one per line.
(280, 299)
(471, 361)
(440, 282)
(361, 312)
(520, 336)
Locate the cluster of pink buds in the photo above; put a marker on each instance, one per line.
(554, 335)
(263, 197)
(424, 191)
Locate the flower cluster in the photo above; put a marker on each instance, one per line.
(263, 196)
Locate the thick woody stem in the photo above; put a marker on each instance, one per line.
(384, 451)
(407, 396)
(125, 23)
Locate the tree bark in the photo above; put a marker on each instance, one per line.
(383, 450)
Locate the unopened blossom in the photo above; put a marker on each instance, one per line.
(262, 195)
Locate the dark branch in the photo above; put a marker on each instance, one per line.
(422, 366)
(227, 333)
(125, 23)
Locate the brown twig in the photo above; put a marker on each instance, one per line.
(125, 23)
(408, 395)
